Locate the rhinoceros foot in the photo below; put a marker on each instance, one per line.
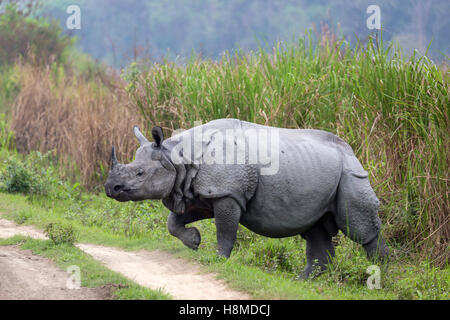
(192, 238)
(311, 272)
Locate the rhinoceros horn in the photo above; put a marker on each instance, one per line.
(114, 161)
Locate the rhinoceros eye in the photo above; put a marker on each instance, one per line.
(140, 172)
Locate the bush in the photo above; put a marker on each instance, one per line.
(20, 179)
(34, 176)
(60, 233)
(31, 39)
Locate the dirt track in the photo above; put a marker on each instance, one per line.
(9, 229)
(24, 275)
(157, 269)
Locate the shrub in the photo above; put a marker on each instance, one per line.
(17, 178)
(31, 39)
(60, 233)
(33, 176)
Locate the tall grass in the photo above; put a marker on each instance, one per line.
(393, 111)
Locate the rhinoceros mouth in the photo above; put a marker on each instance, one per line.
(122, 195)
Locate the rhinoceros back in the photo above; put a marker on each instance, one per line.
(302, 190)
(310, 163)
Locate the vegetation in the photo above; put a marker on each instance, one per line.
(393, 111)
(31, 39)
(75, 117)
(60, 117)
(266, 268)
(60, 233)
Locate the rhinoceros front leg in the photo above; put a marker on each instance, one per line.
(227, 214)
(176, 223)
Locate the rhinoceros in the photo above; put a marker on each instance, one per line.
(311, 185)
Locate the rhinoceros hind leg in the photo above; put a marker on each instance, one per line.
(227, 214)
(357, 209)
(319, 250)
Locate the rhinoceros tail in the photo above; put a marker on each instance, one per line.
(350, 164)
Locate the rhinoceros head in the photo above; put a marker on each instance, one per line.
(150, 176)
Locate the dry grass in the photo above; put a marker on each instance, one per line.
(79, 120)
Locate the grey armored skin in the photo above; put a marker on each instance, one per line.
(313, 185)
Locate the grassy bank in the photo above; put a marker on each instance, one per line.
(266, 268)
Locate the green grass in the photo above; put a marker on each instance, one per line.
(392, 110)
(265, 268)
(93, 274)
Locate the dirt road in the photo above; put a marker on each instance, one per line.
(9, 229)
(24, 275)
(157, 269)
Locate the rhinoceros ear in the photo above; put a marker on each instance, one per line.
(142, 140)
(157, 134)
